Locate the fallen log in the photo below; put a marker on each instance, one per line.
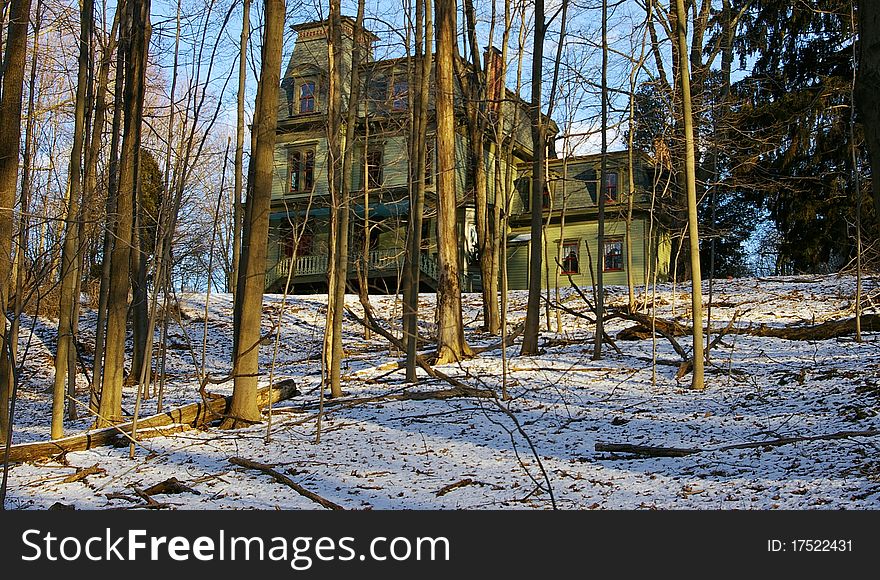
(194, 415)
(646, 450)
(281, 478)
(824, 331)
(652, 451)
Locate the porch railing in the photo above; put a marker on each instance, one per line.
(379, 261)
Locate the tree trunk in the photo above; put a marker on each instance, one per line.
(600, 195)
(243, 408)
(451, 345)
(138, 273)
(135, 44)
(412, 260)
(71, 256)
(339, 211)
(239, 145)
(477, 105)
(690, 182)
(533, 308)
(110, 219)
(10, 133)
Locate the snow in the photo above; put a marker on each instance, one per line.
(473, 453)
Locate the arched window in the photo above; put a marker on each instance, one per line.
(307, 97)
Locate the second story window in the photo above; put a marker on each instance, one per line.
(610, 186)
(307, 97)
(374, 168)
(301, 170)
(400, 96)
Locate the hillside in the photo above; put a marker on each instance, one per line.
(535, 451)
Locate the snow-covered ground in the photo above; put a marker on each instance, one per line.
(468, 453)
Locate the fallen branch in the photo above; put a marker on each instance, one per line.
(82, 473)
(171, 485)
(452, 486)
(194, 414)
(281, 478)
(464, 390)
(652, 451)
(151, 503)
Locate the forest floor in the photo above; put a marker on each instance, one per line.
(535, 451)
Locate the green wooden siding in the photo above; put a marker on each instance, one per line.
(581, 234)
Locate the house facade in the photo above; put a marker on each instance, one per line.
(571, 213)
(381, 190)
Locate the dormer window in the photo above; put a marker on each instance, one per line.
(611, 186)
(307, 97)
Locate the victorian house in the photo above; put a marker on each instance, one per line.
(299, 222)
(381, 189)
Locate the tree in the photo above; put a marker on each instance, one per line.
(796, 107)
(868, 87)
(451, 345)
(539, 147)
(601, 194)
(475, 82)
(243, 408)
(71, 257)
(239, 144)
(10, 132)
(691, 187)
(412, 259)
(135, 42)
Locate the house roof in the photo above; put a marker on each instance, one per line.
(322, 24)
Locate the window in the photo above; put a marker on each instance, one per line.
(523, 186)
(374, 168)
(303, 243)
(301, 170)
(611, 186)
(571, 257)
(307, 97)
(612, 255)
(400, 96)
(377, 90)
(545, 197)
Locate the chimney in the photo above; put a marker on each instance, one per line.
(494, 81)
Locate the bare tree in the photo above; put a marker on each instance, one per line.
(412, 259)
(451, 345)
(135, 43)
(243, 408)
(239, 143)
(539, 147)
(71, 256)
(690, 183)
(10, 144)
